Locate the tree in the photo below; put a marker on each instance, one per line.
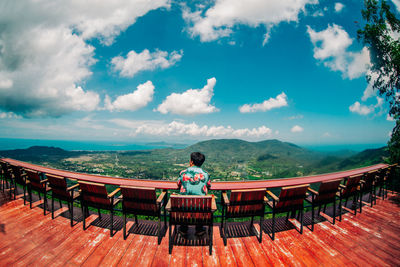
(381, 34)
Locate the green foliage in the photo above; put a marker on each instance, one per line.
(226, 160)
(394, 143)
(381, 35)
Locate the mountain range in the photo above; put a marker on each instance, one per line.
(232, 158)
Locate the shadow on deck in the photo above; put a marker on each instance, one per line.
(27, 237)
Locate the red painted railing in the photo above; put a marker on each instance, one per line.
(215, 185)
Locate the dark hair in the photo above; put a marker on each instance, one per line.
(197, 158)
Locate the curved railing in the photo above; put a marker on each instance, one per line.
(273, 183)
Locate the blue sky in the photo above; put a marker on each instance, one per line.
(181, 71)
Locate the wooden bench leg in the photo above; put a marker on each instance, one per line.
(210, 230)
(170, 238)
(124, 229)
(71, 211)
(52, 207)
(112, 222)
(273, 225)
(261, 228)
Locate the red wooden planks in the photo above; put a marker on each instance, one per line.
(370, 238)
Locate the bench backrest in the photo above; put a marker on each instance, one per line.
(58, 186)
(380, 176)
(392, 171)
(327, 191)
(35, 179)
(191, 209)
(352, 184)
(369, 179)
(139, 200)
(292, 197)
(246, 202)
(5, 170)
(18, 174)
(94, 194)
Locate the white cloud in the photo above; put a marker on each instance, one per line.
(278, 102)
(397, 4)
(297, 117)
(45, 59)
(338, 7)
(220, 19)
(5, 83)
(368, 92)
(326, 134)
(133, 101)
(389, 118)
(331, 47)
(9, 115)
(362, 109)
(318, 13)
(190, 102)
(176, 128)
(297, 129)
(136, 62)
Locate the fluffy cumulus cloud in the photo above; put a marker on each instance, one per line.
(331, 47)
(177, 128)
(297, 129)
(219, 20)
(338, 7)
(279, 101)
(44, 55)
(362, 109)
(9, 115)
(190, 102)
(136, 62)
(133, 101)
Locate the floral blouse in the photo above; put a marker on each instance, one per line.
(194, 181)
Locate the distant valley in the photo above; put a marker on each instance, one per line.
(226, 159)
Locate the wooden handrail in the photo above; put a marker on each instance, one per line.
(273, 183)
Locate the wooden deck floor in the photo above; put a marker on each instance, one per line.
(29, 238)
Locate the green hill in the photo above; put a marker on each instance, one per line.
(226, 159)
(39, 153)
(364, 158)
(240, 151)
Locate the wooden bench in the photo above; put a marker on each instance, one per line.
(326, 194)
(351, 188)
(191, 210)
(95, 195)
(143, 201)
(290, 199)
(243, 203)
(38, 184)
(61, 191)
(20, 179)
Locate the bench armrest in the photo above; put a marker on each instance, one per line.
(43, 181)
(168, 207)
(161, 197)
(275, 198)
(312, 191)
(342, 186)
(72, 187)
(114, 192)
(225, 199)
(213, 204)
